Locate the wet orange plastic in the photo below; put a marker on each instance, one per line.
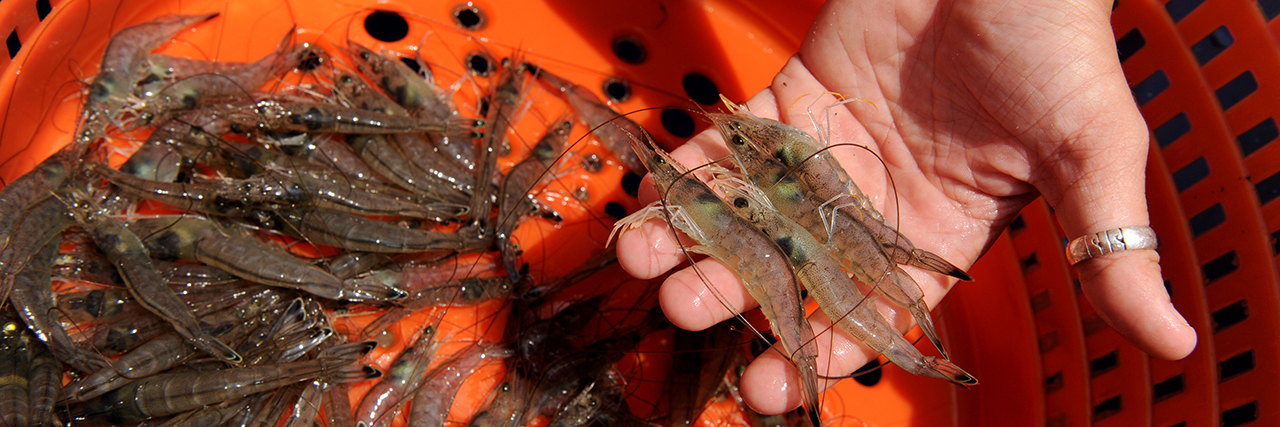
(1022, 328)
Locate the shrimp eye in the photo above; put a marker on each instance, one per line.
(430, 329)
(658, 159)
(738, 140)
(741, 203)
(346, 80)
(365, 56)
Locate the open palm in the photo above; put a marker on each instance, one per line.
(976, 107)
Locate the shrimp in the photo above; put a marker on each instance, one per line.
(306, 409)
(130, 256)
(707, 356)
(385, 157)
(420, 97)
(174, 393)
(329, 151)
(33, 300)
(820, 170)
(850, 240)
(378, 405)
(454, 293)
(416, 149)
(357, 233)
(29, 216)
(232, 250)
(154, 356)
(505, 100)
(515, 198)
(615, 131)
(163, 99)
(44, 383)
(838, 296)
(285, 115)
(432, 400)
(15, 364)
(123, 65)
(692, 207)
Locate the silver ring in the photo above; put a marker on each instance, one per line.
(1108, 241)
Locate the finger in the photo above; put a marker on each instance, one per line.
(649, 250)
(1105, 189)
(771, 383)
(697, 298)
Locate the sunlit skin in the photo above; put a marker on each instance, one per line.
(977, 108)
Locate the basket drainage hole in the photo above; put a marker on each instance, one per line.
(311, 62)
(629, 50)
(631, 183)
(615, 209)
(469, 17)
(618, 90)
(416, 67)
(386, 26)
(480, 64)
(869, 374)
(678, 122)
(701, 89)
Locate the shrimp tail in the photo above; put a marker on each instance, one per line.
(354, 374)
(921, 314)
(944, 369)
(932, 262)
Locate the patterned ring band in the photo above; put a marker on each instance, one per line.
(1108, 241)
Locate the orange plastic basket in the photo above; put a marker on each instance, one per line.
(1204, 75)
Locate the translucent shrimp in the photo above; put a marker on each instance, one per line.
(234, 251)
(848, 237)
(614, 130)
(44, 383)
(402, 378)
(515, 196)
(123, 65)
(130, 256)
(416, 149)
(432, 400)
(420, 97)
(358, 233)
(838, 295)
(692, 207)
(29, 216)
(300, 116)
(162, 99)
(829, 182)
(504, 103)
(173, 393)
(15, 364)
(32, 298)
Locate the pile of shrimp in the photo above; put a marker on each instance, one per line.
(324, 235)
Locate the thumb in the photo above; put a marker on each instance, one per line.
(1096, 182)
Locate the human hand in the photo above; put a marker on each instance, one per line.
(979, 107)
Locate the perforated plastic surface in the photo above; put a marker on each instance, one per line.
(1205, 76)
